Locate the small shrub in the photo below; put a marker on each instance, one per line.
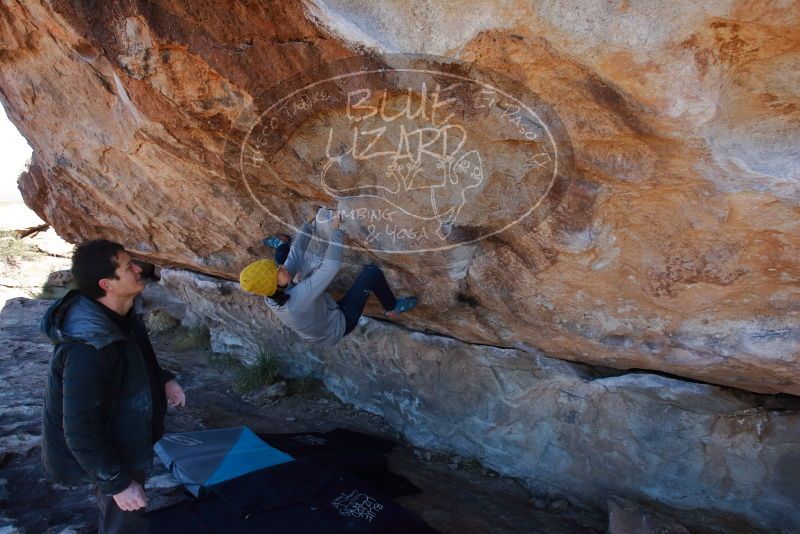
(263, 372)
(159, 321)
(186, 339)
(306, 386)
(13, 251)
(223, 360)
(472, 464)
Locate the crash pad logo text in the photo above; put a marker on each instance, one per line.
(356, 504)
(182, 440)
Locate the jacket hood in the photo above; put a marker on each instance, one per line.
(76, 317)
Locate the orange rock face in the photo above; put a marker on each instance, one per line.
(643, 213)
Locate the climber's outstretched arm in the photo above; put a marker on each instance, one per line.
(300, 244)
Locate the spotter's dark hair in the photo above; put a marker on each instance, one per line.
(93, 261)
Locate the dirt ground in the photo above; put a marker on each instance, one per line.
(458, 495)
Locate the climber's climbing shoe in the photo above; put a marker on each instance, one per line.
(402, 305)
(274, 241)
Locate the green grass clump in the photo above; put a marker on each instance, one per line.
(263, 372)
(186, 339)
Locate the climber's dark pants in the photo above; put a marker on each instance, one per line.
(353, 302)
(281, 253)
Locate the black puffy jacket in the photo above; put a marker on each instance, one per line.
(98, 409)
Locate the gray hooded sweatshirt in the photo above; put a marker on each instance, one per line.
(310, 310)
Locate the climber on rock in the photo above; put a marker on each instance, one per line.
(305, 306)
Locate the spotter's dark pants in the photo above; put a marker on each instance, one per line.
(113, 520)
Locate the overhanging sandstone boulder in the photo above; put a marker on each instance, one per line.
(674, 247)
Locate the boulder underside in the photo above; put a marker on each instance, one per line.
(643, 214)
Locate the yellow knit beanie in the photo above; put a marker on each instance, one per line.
(260, 277)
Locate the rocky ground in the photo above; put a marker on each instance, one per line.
(458, 495)
(26, 264)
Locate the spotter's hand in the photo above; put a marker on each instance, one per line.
(175, 394)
